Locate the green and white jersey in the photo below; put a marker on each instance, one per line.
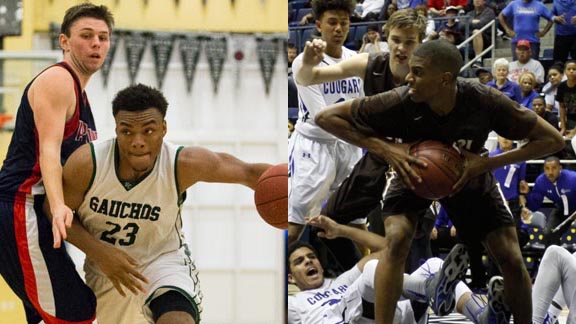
(143, 219)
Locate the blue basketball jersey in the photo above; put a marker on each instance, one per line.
(20, 173)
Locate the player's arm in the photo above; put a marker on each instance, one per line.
(118, 266)
(309, 73)
(197, 164)
(52, 98)
(338, 120)
(332, 230)
(543, 138)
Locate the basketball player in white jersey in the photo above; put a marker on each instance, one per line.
(318, 161)
(127, 192)
(349, 297)
(557, 270)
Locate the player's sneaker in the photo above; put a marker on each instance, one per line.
(496, 311)
(440, 286)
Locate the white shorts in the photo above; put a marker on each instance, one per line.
(316, 168)
(171, 271)
(349, 309)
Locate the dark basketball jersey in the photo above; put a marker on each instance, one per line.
(20, 173)
(478, 110)
(378, 77)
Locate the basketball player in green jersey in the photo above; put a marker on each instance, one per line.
(127, 192)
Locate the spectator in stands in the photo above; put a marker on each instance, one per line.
(450, 28)
(565, 34)
(507, 87)
(371, 42)
(526, 15)
(539, 107)
(443, 234)
(290, 127)
(525, 63)
(555, 77)
(292, 53)
(307, 19)
(343, 299)
(405, 4)
(512, 178)
(478, 18)
(527, 83)
(559, 186)
(388, 10)
(371, 9)
(430, 25)
(437, 8)
(566, 97)
(484, 75)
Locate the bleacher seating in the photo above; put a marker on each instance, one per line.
(297, 4)
(300, 13)
(306, 36)
(293, 37)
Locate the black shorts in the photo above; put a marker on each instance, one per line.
(475, 211)
(360, 192)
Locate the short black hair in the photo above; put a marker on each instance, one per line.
(570, 61)
(558, 66)
(139, 97)
(319, 7)
(375, 28)
(552, 158)
(295, 246)
(442, 54)
(86, 10)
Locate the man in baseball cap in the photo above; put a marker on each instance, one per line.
(525, 63)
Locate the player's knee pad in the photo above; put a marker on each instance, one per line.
(172, 301)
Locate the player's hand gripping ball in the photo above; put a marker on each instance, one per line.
(271, 196)
(445, 167)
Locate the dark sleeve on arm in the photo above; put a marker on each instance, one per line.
(509, 119)
(485, 17)
(379, 115)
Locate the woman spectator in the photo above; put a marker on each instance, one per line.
(527, 83)
(555, 77)
(507, 87)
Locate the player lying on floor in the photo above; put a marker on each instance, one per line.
(349, 297)
(557, 270)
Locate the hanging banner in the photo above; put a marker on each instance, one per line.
(135, 44)
(55, 36)
(190, 48)
(162, 45)
(267, 50)
(107, 65)
(216, 51)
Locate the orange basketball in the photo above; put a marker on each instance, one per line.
(445, 167)
(271, 196)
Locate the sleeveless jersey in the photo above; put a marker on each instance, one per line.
(313, 98)
(20, 173)
(144, 221)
